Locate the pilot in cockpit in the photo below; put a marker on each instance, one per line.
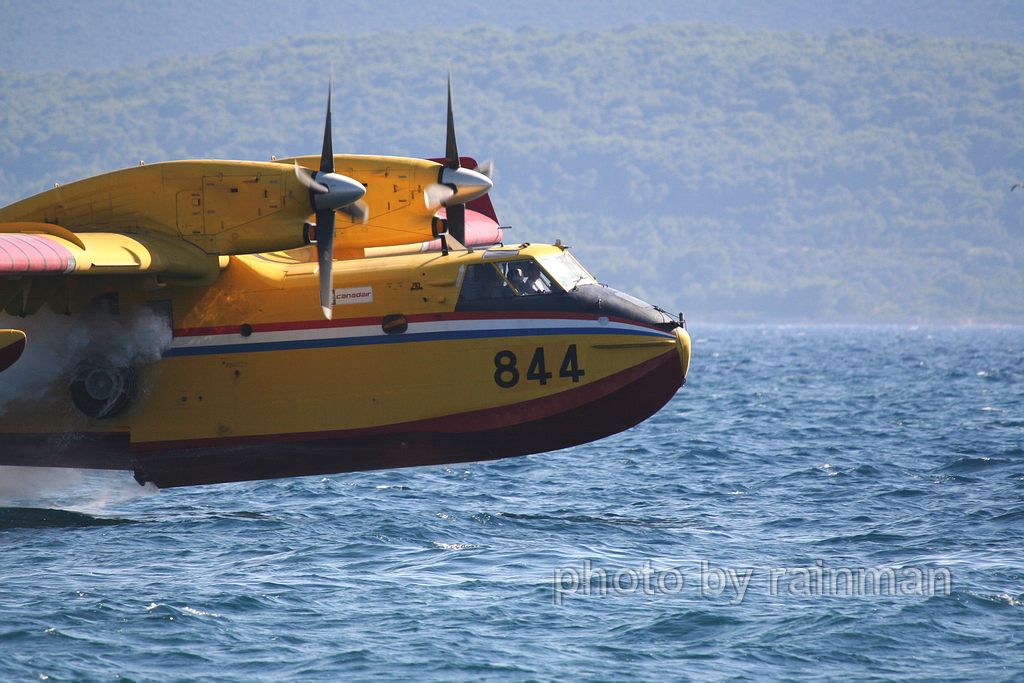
(533, 281)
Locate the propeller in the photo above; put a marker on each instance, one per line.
(437, 195)
(329, 192)
(456, 185)
(358, 210)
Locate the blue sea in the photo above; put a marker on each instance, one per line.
(817, 503)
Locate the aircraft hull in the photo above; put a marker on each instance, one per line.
(583, 415)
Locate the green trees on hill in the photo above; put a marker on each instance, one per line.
(727, 173)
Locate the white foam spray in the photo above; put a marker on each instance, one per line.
(56, 343)
(68, 489)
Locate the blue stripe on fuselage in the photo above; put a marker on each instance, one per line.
(253, 347)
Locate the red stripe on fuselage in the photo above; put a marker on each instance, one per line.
(420, 318)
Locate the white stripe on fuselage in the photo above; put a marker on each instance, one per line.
(417, 331)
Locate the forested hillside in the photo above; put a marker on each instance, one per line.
(47, 34)
(731, 174)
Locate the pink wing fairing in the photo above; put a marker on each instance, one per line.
(481, 231)
(33, 255)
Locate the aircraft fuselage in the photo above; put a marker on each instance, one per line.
(428, 359)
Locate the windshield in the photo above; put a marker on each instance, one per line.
(505, 279)
(566, 270)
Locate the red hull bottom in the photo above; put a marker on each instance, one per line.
(621, 403)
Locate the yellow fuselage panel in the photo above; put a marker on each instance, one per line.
(269, 288)
(345, 388)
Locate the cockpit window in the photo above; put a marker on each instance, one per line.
(566, 271)
(484, 281)
(528, 278)
(505, 279)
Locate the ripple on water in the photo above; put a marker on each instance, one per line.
(38, 518)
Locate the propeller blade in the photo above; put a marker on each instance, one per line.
(456, 185)
(456, 245)
(436, 195)
(325, 258)
(327, 189)
(325, 217)
(359, 211)
(456, 215)
(451, 153)
(485, 168)
(305, 177)
(327, 153)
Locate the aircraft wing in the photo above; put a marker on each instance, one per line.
(46, 264)
(44, 249)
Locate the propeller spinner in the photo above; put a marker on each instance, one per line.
(456, 185)
(329, 192)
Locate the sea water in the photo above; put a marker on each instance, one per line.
(817, 503)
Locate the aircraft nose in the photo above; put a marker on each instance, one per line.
(683, 347)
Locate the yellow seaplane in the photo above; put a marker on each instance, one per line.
(393, 329)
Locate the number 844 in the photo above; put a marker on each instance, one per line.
(506, 372)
